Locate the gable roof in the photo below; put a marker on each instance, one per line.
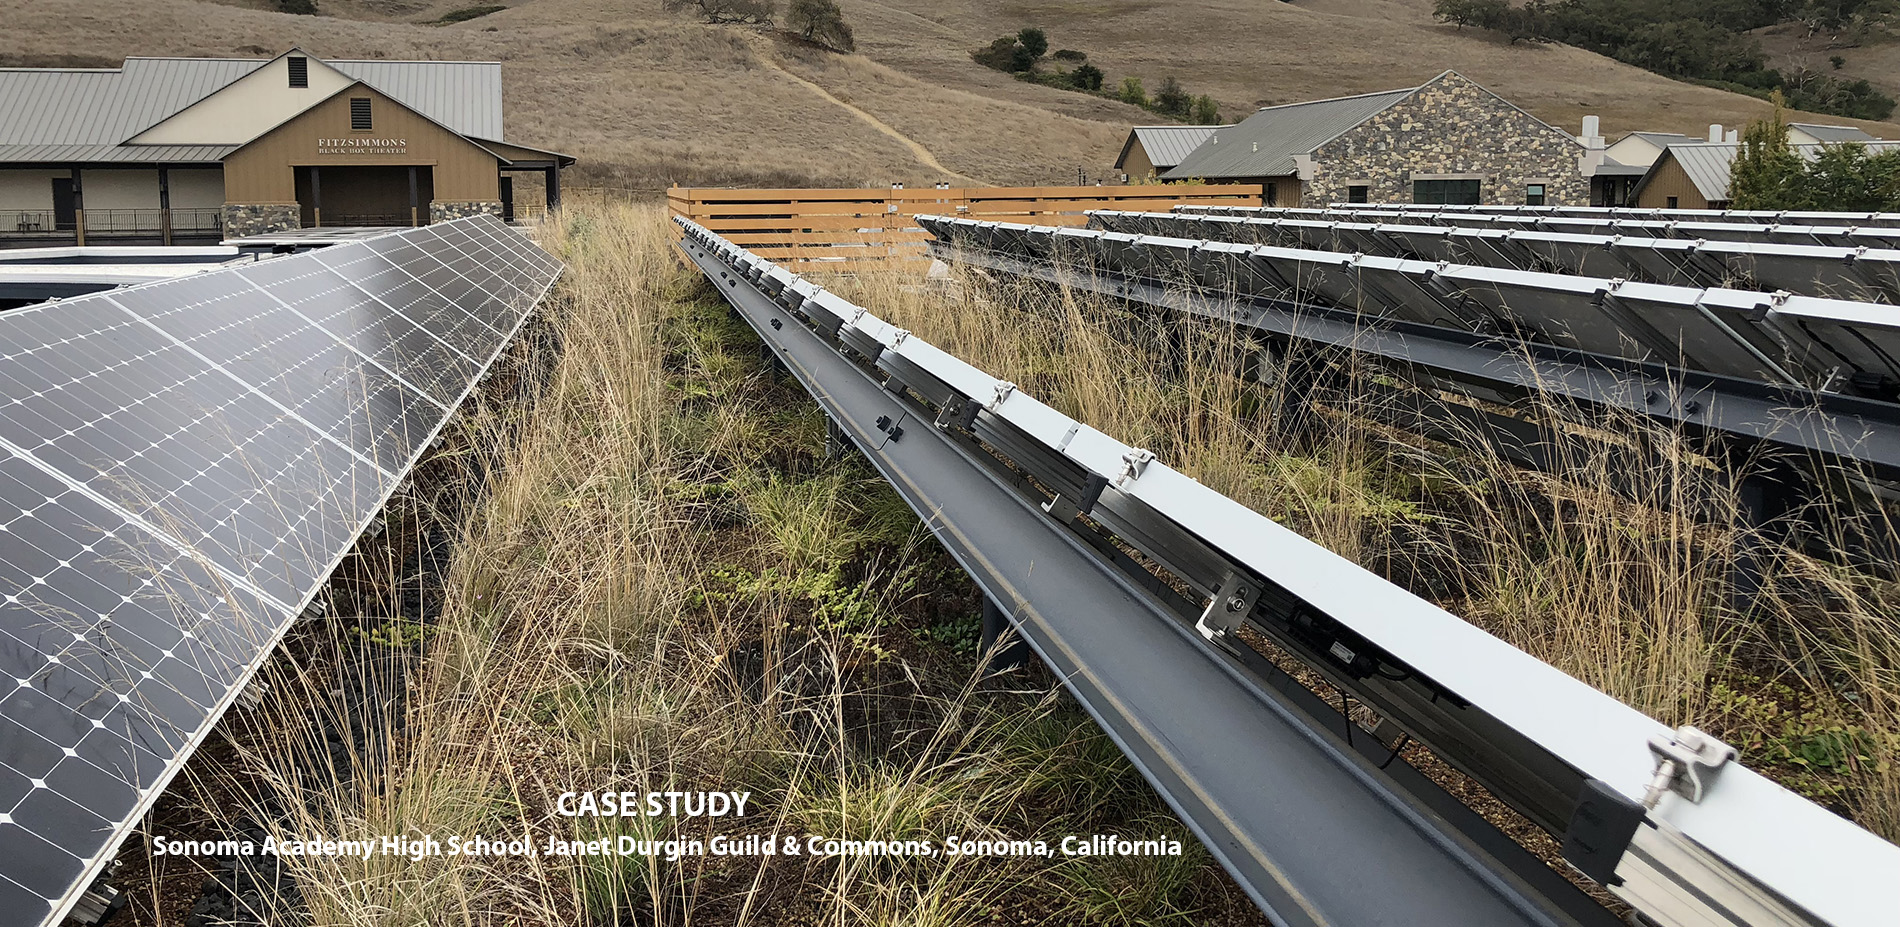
(51, 106)
(1833, 133)
(1266, 143)
(358, 85)
(1659, 139)
(1709, 164)
(1165, 145)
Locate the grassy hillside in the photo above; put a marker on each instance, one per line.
(646, 98)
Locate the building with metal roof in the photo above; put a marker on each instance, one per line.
(1696, 175)
(1447, 140)
(194, 148)
(1808, 133)
(1151, 150)
(1641, 149)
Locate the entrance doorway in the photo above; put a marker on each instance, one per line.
(65, 205)
(340, 196)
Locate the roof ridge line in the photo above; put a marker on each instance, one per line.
(1350, 96)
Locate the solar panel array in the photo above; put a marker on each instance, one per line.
(1803, 341)
(1748, 216)
(184, 464)
(1699, 226)
(1859, 273)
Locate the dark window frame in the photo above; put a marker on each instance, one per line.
(1672, 201)
(299, 72)
(1535, 194)
(361, 118)
(1447, 191)
(1358, 193)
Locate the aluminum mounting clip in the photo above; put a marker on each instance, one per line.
(1229, 608)
(1686, 764)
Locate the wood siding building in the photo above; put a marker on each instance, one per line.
(165, 149)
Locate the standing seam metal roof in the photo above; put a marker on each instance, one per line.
(1708, 164)
(1166, 146)
(1266, 143)
(107, 107)
(1832, 133)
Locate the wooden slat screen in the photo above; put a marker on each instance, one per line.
(852, 230)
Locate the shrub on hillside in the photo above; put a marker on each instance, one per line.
(821, 21)
(1172, 99)
(1086, 77)
(1069, 54)
(1034, 40)
(1205, 111)
(299, 7)
(1132, 92)
(470, 12)
(1005, 54)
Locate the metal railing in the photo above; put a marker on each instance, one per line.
(196, 221)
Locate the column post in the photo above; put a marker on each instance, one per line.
(413, 211)
(165, 206)
(316, 197)
(79, 210)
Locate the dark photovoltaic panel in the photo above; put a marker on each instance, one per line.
(1782, 339)
(182, 464)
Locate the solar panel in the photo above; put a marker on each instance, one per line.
(1641, 249)
(1779, 338)
(182, 464)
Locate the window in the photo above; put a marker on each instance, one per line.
(1672, 202)
(359, 114)
(1445, 192)
(299, 71)
(1357, 193)
(1534, 194)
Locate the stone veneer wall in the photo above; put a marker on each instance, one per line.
(1450, 126)
(241, 219)
(442, 212)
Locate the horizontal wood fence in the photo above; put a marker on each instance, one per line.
(851, 230)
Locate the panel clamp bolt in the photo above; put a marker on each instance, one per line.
(1686, 764)
(1133, 463)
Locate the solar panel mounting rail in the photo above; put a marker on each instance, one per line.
(182, 465)
(1313, 820)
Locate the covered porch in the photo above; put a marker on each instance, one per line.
(44, 204)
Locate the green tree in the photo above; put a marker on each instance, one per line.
(1205, 111)
(1086, 77)
(1484, 14)
(1847, 177)
(1033, 39)
(747, 12)
(299, 7)
(1767, 173)
(821, 21)
(1132, 92)
(1172, 99)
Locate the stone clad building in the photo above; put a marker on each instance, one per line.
(1447, 141)
(195, 149)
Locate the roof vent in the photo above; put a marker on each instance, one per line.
(359, 114)
(299, 71)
